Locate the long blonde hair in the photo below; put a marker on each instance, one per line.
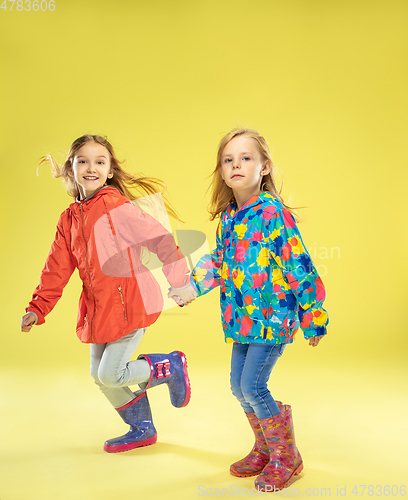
(222, 195)
(128, 185)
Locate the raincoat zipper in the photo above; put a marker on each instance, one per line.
(121, 298)
(87, 269)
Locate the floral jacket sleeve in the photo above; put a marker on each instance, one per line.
(295, 269)
(206, 274)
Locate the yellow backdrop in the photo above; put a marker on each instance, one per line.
(325, 82)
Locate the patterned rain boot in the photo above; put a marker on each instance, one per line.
(138, 415)
(285, 460)
(170, 369)
(258, 457)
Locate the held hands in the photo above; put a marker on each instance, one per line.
(182, 296)
(314, 341)
(27, 322)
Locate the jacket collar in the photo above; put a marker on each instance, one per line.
(252, 202)
(78, 199)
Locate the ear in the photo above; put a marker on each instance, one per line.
(110, 175)
(266, 168)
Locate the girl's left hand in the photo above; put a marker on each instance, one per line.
(314, 341)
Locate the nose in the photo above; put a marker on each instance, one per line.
(235, 164)
(91, 167)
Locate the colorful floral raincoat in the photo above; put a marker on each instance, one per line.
(269, 285)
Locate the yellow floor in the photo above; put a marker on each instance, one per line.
(353, 433)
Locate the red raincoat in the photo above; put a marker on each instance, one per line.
(103, 237)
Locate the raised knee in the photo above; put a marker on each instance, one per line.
(94, 374)
(110, 379)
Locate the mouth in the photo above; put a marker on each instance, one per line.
(91, 178)
(236, 175)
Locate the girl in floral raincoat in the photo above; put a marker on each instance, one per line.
(269, 288)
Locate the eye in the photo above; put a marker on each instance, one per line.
(227, 160)
(100, 162)
(246, 158)
(81, 161)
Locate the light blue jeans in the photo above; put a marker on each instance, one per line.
(251, 366)
(113, 371)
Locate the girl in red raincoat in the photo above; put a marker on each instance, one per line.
(103, 235)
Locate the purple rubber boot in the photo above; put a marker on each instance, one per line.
(170, 369)
(142, 432)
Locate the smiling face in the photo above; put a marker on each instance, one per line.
(91, 167)
(242, 168)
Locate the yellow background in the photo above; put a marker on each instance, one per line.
(325, 82)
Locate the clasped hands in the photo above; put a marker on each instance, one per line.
(182, 296)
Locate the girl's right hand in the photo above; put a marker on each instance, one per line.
(182, 296)
(314, 341)
(27, 322)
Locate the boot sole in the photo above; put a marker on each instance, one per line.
(241, 474)
(117, 448)
(296, 472)
(187, 380)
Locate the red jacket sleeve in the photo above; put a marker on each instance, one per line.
(58, 268)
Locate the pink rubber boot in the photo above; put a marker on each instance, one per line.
(257, 458)
(285, 460)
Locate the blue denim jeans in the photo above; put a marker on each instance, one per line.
(251, 366)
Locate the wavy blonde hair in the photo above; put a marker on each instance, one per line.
(128, 185)
(222, 195)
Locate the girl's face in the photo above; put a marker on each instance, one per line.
(91, 167)
(242, 168)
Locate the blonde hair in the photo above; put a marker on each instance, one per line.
(221, 194)
(128, 185)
